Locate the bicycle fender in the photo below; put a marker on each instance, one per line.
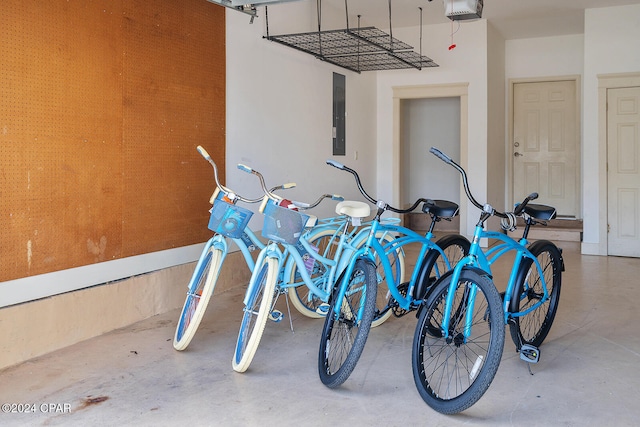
(546, 242)
(338, 281)
(478, 270)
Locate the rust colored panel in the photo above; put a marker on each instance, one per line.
(102, 104)
(174, 90)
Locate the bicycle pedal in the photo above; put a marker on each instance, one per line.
(529, 353)
(276, 316)
(323, 309)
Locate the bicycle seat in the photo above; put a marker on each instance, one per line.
(541, 212)
(440, 208)
(353, 209)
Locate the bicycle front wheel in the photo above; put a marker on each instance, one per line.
(452, 371)
(345, 332)
(259, 300)
(203, 283)
(532, 328)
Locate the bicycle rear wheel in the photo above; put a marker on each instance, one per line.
(452, 373)
(533, 327)
(345, 333)
(259, 300)
(201, 289)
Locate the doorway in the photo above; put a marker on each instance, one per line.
(401, 94)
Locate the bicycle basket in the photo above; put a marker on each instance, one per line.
(229, 220)
(282, 224)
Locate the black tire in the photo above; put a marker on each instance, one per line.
(455, 247)
(451, 374)
(343, 336)
(532, 328)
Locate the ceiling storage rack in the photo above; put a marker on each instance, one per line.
(356, 49)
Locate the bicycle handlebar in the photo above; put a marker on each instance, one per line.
(276, 198)
(486, 208)
(380, 204)
(228, 191)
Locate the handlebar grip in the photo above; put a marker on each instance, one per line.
(439, 154)
(245, 168)
(203, 152)
(288, 185)
(520, 206)
(337, 197)
(335, 164)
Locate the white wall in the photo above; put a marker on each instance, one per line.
(611, 45)
(544, 56)
(467, 63)
(279, 117)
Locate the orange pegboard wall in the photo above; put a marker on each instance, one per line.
(102, 104)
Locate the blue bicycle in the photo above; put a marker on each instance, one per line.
(352, 303)
(228, 221)
(459, 338)
(301, 265)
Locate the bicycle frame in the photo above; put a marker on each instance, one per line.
(373, 247)
(477, 258)
(293, 259)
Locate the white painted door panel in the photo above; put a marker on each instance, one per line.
(623, 166)
(545, 145)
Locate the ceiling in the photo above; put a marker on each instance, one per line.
(514, 19)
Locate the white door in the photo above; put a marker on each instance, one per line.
(545, 145)
(623, 165)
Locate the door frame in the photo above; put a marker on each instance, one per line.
(606, 82)
(454, 90)
(512, 82)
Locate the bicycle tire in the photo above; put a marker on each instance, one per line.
(198, 296)
(534, 327)
(301, 297)
(343, 339)
(261, 294)
(455, 247)
(451, 374)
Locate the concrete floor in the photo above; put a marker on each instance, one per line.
(588, 374)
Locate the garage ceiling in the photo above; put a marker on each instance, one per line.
(514, 19)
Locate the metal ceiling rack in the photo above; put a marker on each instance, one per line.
(356, 49)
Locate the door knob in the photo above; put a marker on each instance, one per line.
(516, 154)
